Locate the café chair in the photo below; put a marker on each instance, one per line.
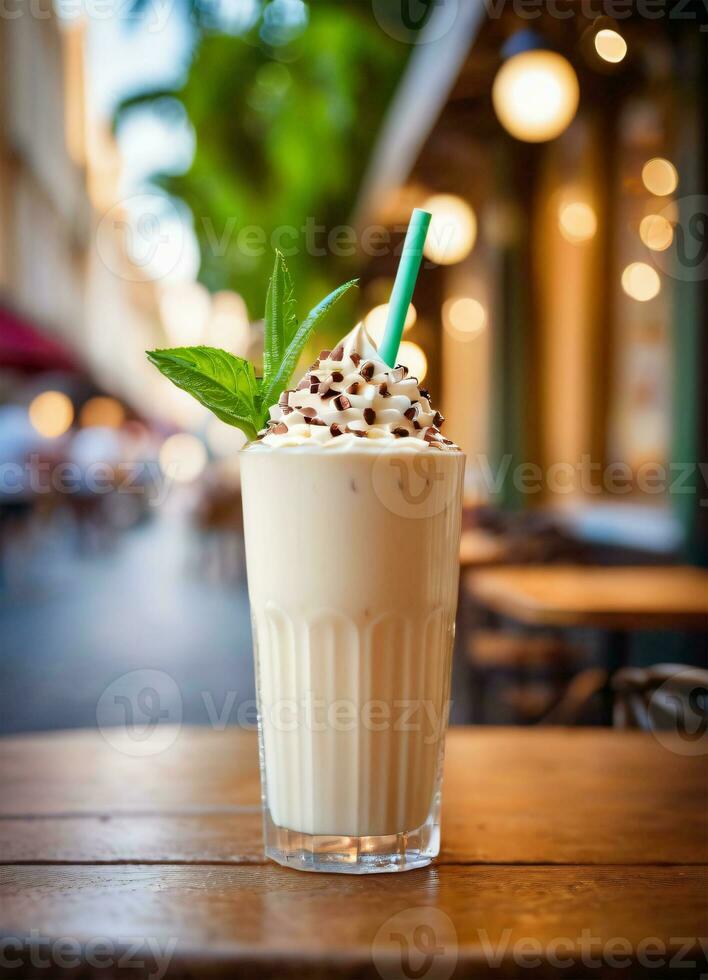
(526, 673)
(661, 696)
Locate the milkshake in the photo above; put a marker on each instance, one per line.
(352, 501)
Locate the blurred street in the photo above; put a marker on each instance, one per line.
(73, 625)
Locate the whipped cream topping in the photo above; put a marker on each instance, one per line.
(350, 395)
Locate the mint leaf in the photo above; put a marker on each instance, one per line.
(222, 382)
(226, 384)
(280, 318)
(276, 382)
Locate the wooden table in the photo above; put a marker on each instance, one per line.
(618, 600)
(555, 843)
(626, 598)
(479, 548)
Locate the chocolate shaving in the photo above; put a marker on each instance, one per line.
(324, 355)
(330, 393)
(342, 403)
(383, 390)
(280, 429)
(424, 393)
(314, 388)
(412, 412)
(337, 376)
(355, 358)
(400, 432)
(309, 412)
(438, 420)
(416, 424)
(353, 388)
(356, 432)
(337, 354)
(369, 416)
(367, 371)
(317, 421)
(335, 429)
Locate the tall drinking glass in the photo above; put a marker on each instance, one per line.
(353, 574)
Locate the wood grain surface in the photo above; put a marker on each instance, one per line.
(609, 598)
(553, 839)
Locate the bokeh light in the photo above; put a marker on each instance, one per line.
(414, 359)
(660, 176)
(656, 232)
(453, 229)
(51, 413)
(535, 95)
(102, 411)
(577, 221)
(183, 457)
(229, 327)
(375, 321)
(224, 439)
(464, 317)
(641, 281)
(610, 45)
(185, 308)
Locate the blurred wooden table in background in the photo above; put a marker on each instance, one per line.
(546, 833)
(626, 598)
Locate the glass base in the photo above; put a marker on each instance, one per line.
(352, 855)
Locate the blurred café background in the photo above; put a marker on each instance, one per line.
(153, 154)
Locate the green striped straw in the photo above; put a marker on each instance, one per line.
(402, 292)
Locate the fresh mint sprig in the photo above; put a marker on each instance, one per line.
(227, 385)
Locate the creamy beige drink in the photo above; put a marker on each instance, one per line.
(352, 516)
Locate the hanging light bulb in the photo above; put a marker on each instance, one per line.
(413, 357)
(641, 282)
(535, 92)
(375, 321)
(660, 176)
(453, 229)
(656, 232)
(577, 221)
(610, 45)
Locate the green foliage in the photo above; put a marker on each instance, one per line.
(227, 385)
(283, 135)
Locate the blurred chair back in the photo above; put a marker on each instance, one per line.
(662, 696)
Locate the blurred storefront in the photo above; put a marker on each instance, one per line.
(565, 324)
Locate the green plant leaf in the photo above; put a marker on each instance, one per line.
(222, 382)
(280, 318)
(272, 386)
